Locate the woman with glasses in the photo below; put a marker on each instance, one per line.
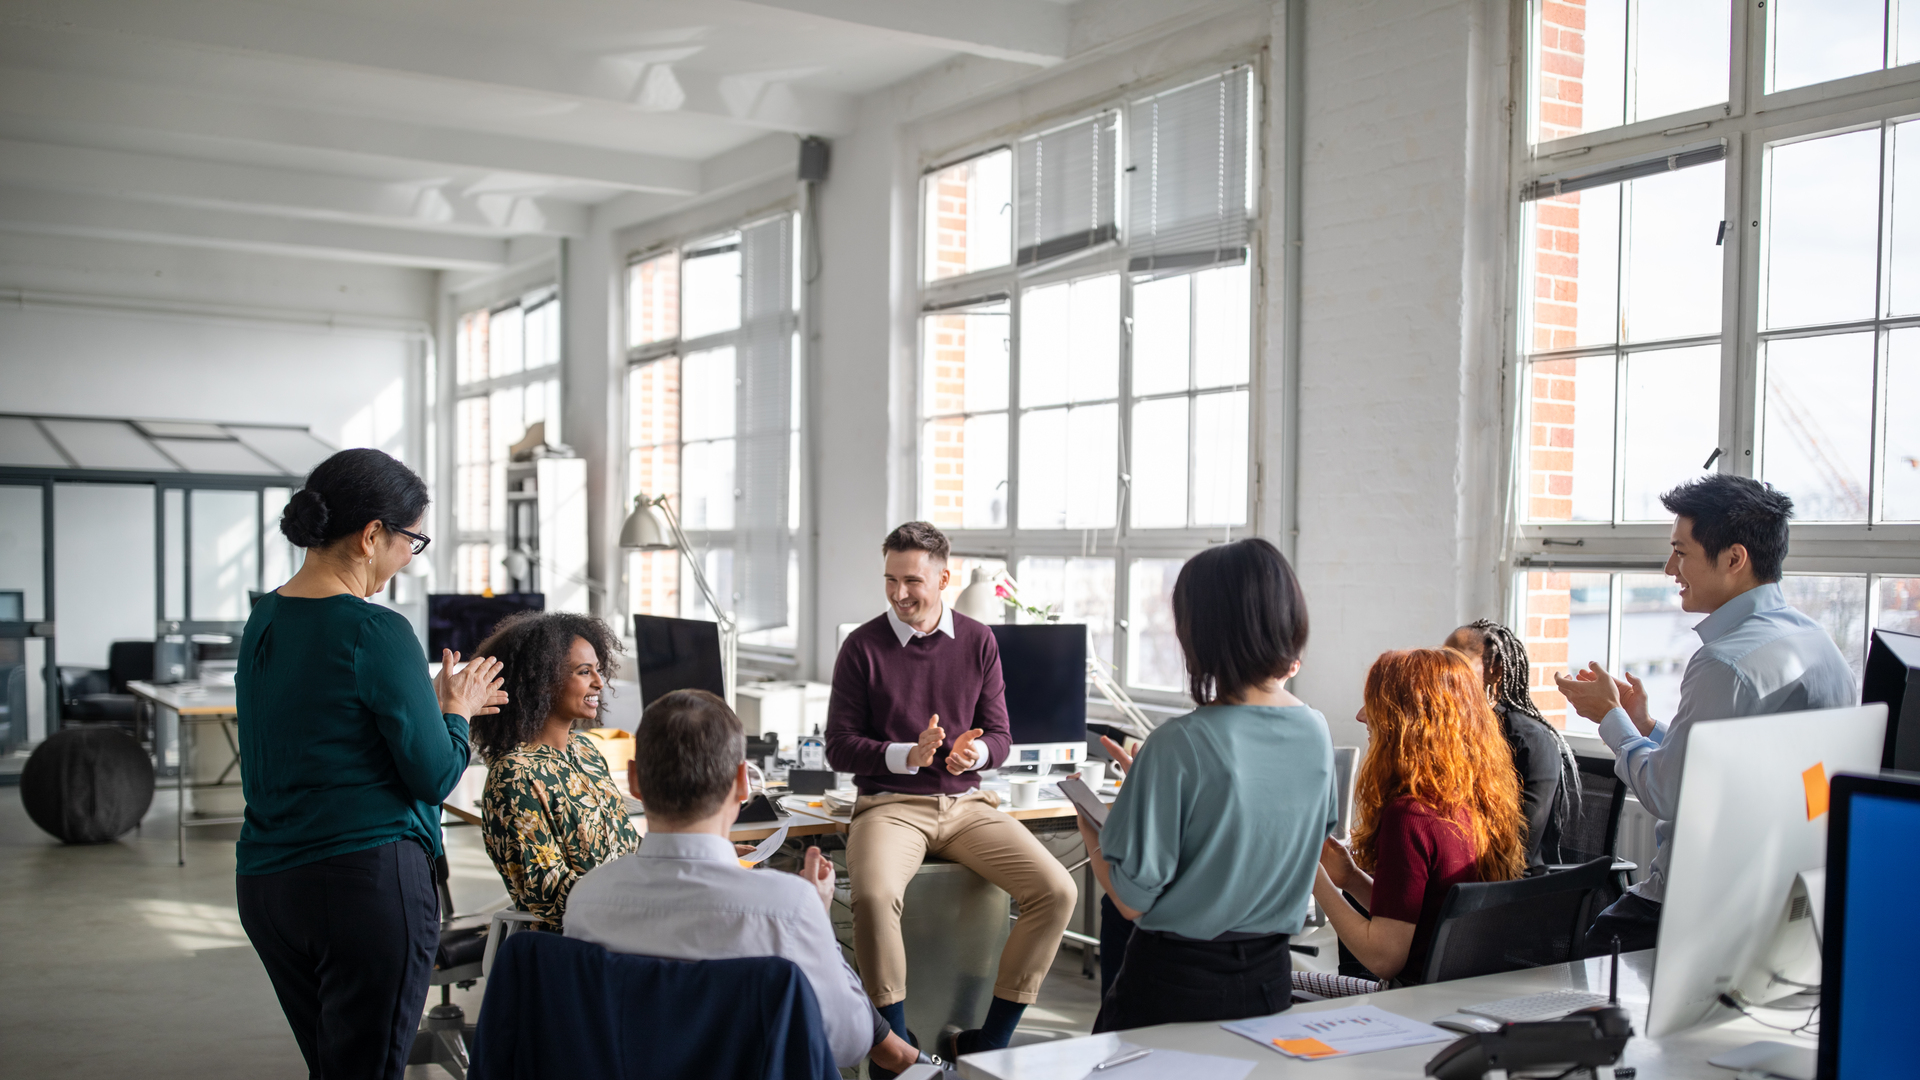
(346, 749)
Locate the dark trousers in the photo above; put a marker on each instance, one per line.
(1636, 921)
(348, 942)
(1115, 929)
(1169, 980)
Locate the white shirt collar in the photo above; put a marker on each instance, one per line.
(907, 633)
(698, 847)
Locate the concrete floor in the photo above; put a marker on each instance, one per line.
(116, 962)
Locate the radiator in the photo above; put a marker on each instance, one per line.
(1635, 842)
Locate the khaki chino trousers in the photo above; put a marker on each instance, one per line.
(892, 834)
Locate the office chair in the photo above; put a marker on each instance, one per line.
(1595, 831)
(560, 1007)
(99, 695)
(1493, 926)
(462, 958)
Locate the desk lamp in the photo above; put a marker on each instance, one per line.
(644, 531)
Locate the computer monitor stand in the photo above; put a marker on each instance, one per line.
(1793, 962)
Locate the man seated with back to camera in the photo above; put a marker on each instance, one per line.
(918, 708)
(685, 896)
(1757, 656)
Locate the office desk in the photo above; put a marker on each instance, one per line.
(194, 706)
(1675, 1057)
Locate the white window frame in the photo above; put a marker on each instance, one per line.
(678, 347)
(1006, 284)
(1748, 122)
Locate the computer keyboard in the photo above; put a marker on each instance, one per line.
(1549, 1006)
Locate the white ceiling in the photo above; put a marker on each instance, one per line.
(426, 132)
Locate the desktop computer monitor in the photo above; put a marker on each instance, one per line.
(461, 621)
(676, 654)
(1869, 945)
(1752, 817)
(1045, 667)
(1893, 677)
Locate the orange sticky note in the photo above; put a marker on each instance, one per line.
(1815, 781)
(1307, 1048)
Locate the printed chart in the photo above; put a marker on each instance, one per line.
(1361, 1029)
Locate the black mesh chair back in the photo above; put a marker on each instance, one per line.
(128, 661)
(1595, 830)
(1494, 926)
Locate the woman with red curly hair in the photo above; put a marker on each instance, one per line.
(1438, 804)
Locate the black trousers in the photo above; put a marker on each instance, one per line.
(1168, 980)
(349, 944)
(1636, 921)
(1115, 930)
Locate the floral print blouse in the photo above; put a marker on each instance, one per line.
(548, 816)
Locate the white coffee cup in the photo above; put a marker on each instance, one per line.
(1026, 793)
(1093, 773)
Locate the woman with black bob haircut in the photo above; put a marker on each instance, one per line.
(1212, 845)
(551, 811)
(347, 748)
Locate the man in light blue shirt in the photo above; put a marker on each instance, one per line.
(1757, 656)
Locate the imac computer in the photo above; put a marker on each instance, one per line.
(676, 654)
(1869, 944)
(1045, 667)
(461, 621)
(1893, 677)
(1749, 840)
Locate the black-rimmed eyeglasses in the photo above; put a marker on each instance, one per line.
(419, 540)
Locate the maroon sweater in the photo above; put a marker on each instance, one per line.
(883, 692)
(1418, 858)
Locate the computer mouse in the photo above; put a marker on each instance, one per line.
(1467, 1023)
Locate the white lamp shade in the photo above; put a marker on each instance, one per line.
(978, 600)
(644, 531)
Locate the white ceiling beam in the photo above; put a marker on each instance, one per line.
(88, 101)
(54, 213)
(1025, 31)
(771, 157)
(108, 36)
(431, 205)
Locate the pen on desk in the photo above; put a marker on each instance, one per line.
(1131, 1055)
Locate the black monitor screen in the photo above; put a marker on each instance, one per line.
(676, 654)
(1893, 676)
(461, 621)
(1045, 666)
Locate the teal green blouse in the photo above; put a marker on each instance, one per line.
(342, 743)
(1218, 826)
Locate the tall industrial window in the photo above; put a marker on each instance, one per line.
(506, 384)
(713, 422)
(1086, 345)
(1706, 287)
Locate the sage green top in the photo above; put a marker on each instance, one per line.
(342, 743)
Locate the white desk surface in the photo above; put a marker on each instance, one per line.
(189, 699)
(1676, 1057)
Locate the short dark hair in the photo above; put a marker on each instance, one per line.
(917, 536)
(685, 754)
(532, 648)
(1240, 617)
(348, 490)
(1726, 510)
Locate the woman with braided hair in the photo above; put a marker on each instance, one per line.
(1549, 775)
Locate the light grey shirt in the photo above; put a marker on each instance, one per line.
(1757, 656)
(685, 896)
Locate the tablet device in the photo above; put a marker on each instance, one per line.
(1085, 801)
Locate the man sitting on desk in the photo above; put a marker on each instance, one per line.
(918, 708)
(1757, 656)
(685, 896)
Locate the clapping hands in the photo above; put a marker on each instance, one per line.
(473, 690)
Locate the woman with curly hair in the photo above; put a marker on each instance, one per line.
(551, 812)
(1549, 775)
(1437, 802)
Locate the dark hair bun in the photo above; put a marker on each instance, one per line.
(304, 521)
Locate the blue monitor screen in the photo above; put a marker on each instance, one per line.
(1882, 951)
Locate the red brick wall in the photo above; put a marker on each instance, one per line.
(653, 577)
(944, 363)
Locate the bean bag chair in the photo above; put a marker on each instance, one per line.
(87, 785)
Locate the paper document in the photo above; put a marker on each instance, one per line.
(765, 848)
(1361, 1029)
(1176, 1065)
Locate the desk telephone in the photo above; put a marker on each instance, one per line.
(1591, 1039)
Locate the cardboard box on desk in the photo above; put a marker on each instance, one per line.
(616, 746)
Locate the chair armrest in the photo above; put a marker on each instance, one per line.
(502, 924)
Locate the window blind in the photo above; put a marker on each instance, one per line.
(763, 410)
(1067, 189)
(1190, 189)
(1616, 174)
